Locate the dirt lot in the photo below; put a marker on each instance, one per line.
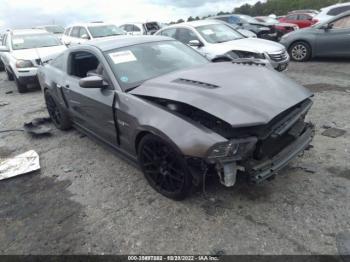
(87, 200)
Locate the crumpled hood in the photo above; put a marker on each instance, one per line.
(250, 44)
(246, 95)
(44, 53)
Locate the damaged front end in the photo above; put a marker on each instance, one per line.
(272, 147)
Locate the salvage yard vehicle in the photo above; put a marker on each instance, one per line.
(331, 11)
(262, 30)
(213, 38)
(22, 51)
(80, 33)
(138, 28)
(281, 28)
(161, 104)
(327, 39)
(302, 20)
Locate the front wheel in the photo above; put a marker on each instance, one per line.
(58, 115)
(300, 51)
(22, 88)
(164, 168)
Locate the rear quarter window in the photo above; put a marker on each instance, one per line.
(338, 10)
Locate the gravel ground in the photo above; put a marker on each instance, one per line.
(87, 200)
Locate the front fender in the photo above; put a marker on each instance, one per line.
(141, 115)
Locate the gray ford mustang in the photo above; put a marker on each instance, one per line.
(179, 116)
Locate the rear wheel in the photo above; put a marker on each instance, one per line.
(22, 88)
(58, 115)
(164, 168)
(300, 51)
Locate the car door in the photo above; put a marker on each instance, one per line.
(293, 19)
(6, 56)
(336, 40)
(91, 108)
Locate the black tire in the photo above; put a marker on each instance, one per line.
(22, 88)
(300, 51)
(58, 115)
(9, 75)
(164, 167)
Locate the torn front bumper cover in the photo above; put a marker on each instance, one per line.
(260, 171)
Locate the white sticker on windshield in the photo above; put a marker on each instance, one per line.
(122, 57)
(17, 41)
(208, 32)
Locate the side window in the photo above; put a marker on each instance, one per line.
(185, 35)
(4, 40)
(82, 64)
(342, 23)
(135, 28)
(128, 28)
(58, 62)
(338, 10)
(304, 17)
(169, 32)
(83, 32)
(75, 32)
(292, 17)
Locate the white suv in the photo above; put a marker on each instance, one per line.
(79, 33)
(331, 11)
(22, 51)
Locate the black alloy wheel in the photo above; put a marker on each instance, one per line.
(164, 168)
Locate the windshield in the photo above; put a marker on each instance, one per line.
(34, 41)
(55, 29)
(218, 33)
(248, 19)
(133, 65)
(105, 30)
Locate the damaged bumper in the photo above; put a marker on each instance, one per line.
(260, 171)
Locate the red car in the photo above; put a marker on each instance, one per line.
(280, 28)
(301, 19)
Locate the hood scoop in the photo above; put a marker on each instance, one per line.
(194, 83)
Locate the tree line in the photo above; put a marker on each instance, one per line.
(277, 7)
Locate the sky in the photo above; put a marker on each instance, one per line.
(29, 13)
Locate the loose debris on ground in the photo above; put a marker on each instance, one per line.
(19, 165)
(333, 132)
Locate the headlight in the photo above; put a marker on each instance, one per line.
(24, 63)
(233, 149)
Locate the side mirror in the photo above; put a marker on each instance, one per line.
(92, 82)
(195, 43)
(326, 27)
(85, 36)
(4, 49)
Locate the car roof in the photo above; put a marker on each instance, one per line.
(89, 24)
(28, 31)
(195, 23)
(110, 43)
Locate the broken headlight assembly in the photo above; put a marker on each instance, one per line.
(231, 150)
(24, 64)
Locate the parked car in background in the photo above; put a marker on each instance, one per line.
(54, 29)
(262, 30)
(22, 51)
(244, 32)
(303, 20)
(145, 28)
(280, 28)
(331, 11)
(213, 39)
(79, 33)
(309, 11)
(135, 94)
(326, 39)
